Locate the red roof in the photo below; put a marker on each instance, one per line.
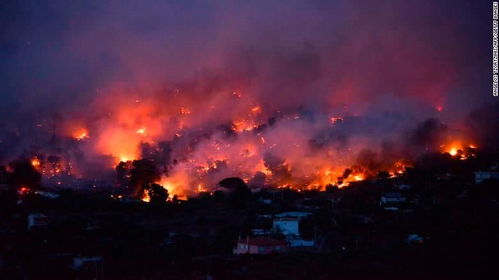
(263, 241)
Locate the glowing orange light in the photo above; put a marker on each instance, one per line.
(23, 190)
(459, 150)
(141, 131)
(35, 162)
(256, 109)
(80, 134)
(185, 111)
(124, 159)
(335, 120)
(146, 197)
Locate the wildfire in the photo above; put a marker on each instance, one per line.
(358, 177)
(243, 125)
(146, 197)
(35, 162)
(141, 131)
(286, 149)
(335, 120)
(459, 150)
(398, 168)
(256, 109)
(185, 111)
(80, 134)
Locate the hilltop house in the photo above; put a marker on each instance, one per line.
(260, 246)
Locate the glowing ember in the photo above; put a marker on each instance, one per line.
(335, 120)
(141, 131)
(185, 111)
(23, 190)
(145, 197)
(35, 162)
(256, 109)
(80, 134)
(358, 177)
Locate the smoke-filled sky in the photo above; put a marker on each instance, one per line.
(184, 70)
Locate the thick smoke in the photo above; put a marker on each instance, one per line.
(275, 93)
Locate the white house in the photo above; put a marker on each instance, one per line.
(287, 225)
(392, 198)
(37, 220)
(293, 214)
(260, 246)
(481, 176)
(299, 242)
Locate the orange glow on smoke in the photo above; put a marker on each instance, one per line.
(80, 134)
(131, 119)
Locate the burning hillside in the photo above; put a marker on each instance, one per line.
(293, 98)
(191, 147)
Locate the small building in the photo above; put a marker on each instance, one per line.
(414, 239)
(481, 176)
(403, 187)
(260, 231)
(300, 242)
(37, 220)
(287, 225)
(91, 267)
(293, 214)
(391, 199)
(260, 246)
(46, 194)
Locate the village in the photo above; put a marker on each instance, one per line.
(426, 223)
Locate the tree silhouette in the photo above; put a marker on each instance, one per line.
(157, 194)
(143, 174)
(239, 191)
(24, 174)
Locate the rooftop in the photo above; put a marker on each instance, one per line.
(263, 241)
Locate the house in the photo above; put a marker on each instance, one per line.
(37, 220)
(260, 231)
(293, 214)
(79, 262)
(414, 239)
(481, 176)
(403, 187)
(265, 201)
(300, 242)
(287, 225)
(91, 267)
(392, 198)
(46, 194)
(260, 246)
